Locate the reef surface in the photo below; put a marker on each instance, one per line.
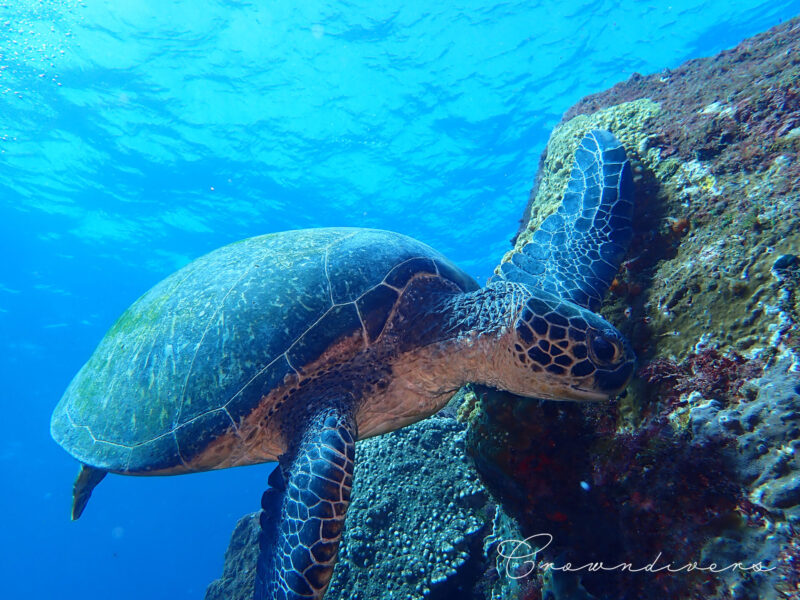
(699, 462)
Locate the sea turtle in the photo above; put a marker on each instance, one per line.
(289, 347)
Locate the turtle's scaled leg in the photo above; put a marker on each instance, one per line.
(304, 510)
(87, 479)
(578, 249)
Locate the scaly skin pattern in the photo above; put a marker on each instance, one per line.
(559, 338)
(301, 526)
(515, 338)
(504, 335)
(577, 250)
(190, 362)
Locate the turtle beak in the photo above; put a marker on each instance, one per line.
(613, 382)
(586, 395)
(573, 393)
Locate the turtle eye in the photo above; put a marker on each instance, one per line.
(605, 349)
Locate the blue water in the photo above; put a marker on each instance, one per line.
(137, 135)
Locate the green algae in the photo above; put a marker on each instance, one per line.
(699, 274)
(717, 288)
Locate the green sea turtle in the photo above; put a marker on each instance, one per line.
(290, 347)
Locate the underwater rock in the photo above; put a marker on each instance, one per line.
(239, 571)
(697, 462)
(718, 194)
(605, 494)
(421, 524)
(767, 437)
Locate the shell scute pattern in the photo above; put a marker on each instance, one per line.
(317, 338)
(400, 275)
(191, 358)
(374, 308)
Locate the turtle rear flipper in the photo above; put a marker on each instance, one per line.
(87, 479)
(304, 510)
(577, 250)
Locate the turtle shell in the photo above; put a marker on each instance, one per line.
(200, 350)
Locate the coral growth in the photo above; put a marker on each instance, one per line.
(698, 461)
(603, 495)
(718, 197)
(707, 372)
(789, 568)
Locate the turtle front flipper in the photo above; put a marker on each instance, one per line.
(577, 250)
(304, 510)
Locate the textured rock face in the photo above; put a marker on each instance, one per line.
(699, 462)
(723, 154)
(766, 426)
(715, 144)
(239, 572)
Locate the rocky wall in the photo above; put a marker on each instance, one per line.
(697, 463)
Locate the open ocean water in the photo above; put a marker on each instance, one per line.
(136, 135)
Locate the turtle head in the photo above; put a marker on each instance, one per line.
(559, 350)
